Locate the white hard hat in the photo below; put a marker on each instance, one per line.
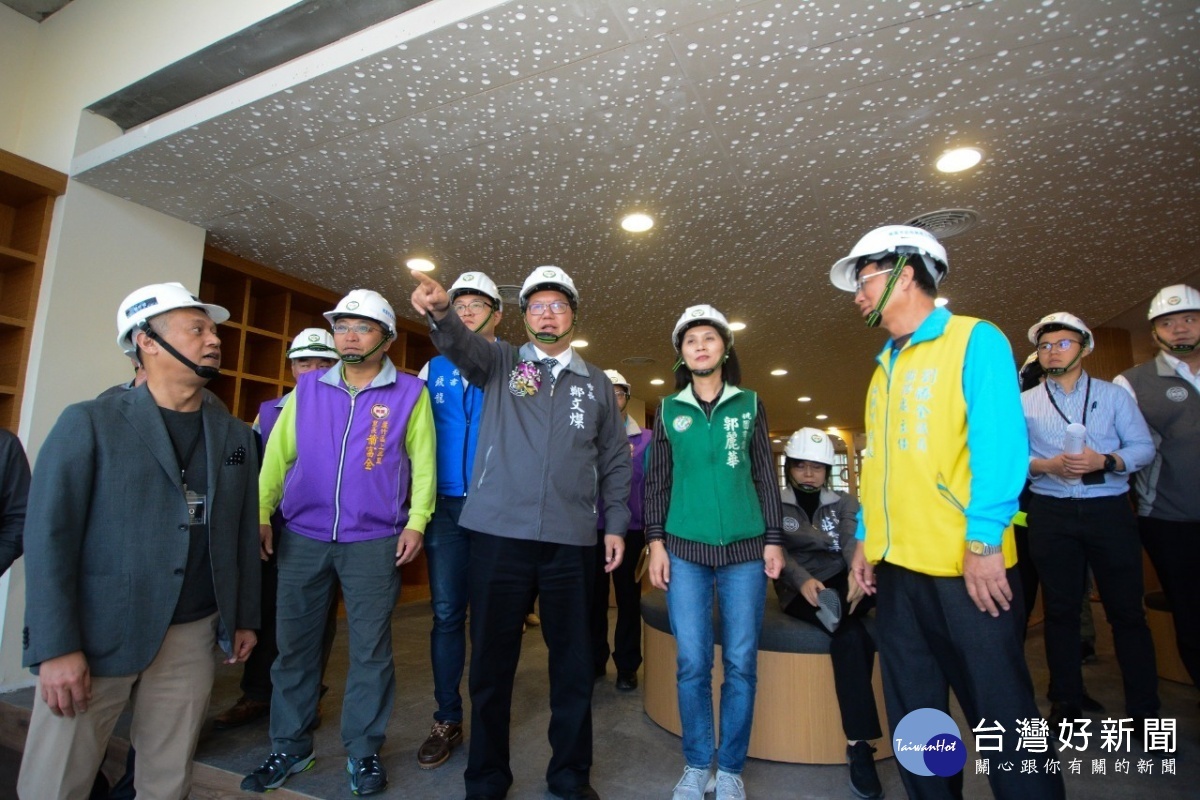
(701, 315)
(150, 301)
(477, 283)
(1171, 299)
(899, 239)
(1067, 321)
(313, 343)
(616, 378)
(368, 304)
(549, 277)
(810, 444)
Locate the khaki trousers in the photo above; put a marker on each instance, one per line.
(169, 699)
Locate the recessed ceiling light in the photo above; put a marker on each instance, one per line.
(960, 159)
(805, 399)
(779, 372)
(777, 441)
(657, 382)
(737, 326)
(941, 301)
(832, 429)
(579, 343)
(822, 416)
(637, 223)
(420, 264)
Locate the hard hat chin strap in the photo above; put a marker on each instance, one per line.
(701, 372)
(1056, 371)
(804, 487)
(1176, 349)
(355, 358)
(208, 373)
(486, 320)
(876, 315)
(549, 338)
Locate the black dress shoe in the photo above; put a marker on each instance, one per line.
(583, 792)
(1091, 704)
(626, 680)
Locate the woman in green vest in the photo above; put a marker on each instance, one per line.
(714, 523)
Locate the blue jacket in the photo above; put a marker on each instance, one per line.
(457, 409)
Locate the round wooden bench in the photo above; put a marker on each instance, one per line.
(1162, 630)
(796, 716)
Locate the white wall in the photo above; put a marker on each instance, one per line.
(101, 248)
(18, 38)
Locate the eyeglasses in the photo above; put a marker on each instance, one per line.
(360, 328)
(475, 307)
(860, 285)
(1061, 344)
(620, 392)
(557, 307)
(1170, 323)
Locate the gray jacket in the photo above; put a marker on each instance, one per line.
(106, 538)
(815, 548)
(543, 459)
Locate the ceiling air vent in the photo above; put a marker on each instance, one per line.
(510, 293)
(947, 222)
(637, 361)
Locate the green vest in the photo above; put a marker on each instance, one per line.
(713, 499)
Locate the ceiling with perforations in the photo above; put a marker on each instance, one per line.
(764, 137)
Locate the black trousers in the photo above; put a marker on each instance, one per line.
(1174, 549)
(852, 651)
(506, 575)
(627, 638)
(930, 637)
(1065, 537)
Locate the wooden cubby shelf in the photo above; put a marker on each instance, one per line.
(27, 194)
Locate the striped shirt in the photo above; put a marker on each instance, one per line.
(761, 469)
(1114, 425)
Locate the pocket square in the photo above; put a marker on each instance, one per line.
(237, 458)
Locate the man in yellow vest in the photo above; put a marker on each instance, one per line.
(944, 464)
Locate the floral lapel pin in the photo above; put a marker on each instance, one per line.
(525, 378)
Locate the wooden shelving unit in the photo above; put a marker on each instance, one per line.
(267, 309)
(27, 194)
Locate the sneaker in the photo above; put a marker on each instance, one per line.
(1087, 652)
(443, 737)
(367, 775)
(274, 771)
(864, 780)
(627, 680)
(829, 609)
(695, 783)
(533, 620)
(730, 786)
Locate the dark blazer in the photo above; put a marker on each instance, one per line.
(106, 532)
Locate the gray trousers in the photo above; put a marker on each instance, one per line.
(370, 587)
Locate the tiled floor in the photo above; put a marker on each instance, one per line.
(634, 758)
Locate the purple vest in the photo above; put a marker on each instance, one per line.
(350, 479)
(637, 483)
(268, 415)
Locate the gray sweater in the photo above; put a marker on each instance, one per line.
(544, 458)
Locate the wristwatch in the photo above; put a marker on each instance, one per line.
(981, 549)
(1110, 463)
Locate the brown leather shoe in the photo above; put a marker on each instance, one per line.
(243, 712)
(443, 737)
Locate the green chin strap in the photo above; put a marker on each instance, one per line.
(353, 358)
(808, 489)
(1176, 349)
(549, 338)
(701, 372)
(486, 320)
(876, 315)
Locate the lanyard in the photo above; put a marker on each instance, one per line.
(184, 460)
(1086, 396)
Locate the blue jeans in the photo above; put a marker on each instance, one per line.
(448, 553)
(741, 592)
